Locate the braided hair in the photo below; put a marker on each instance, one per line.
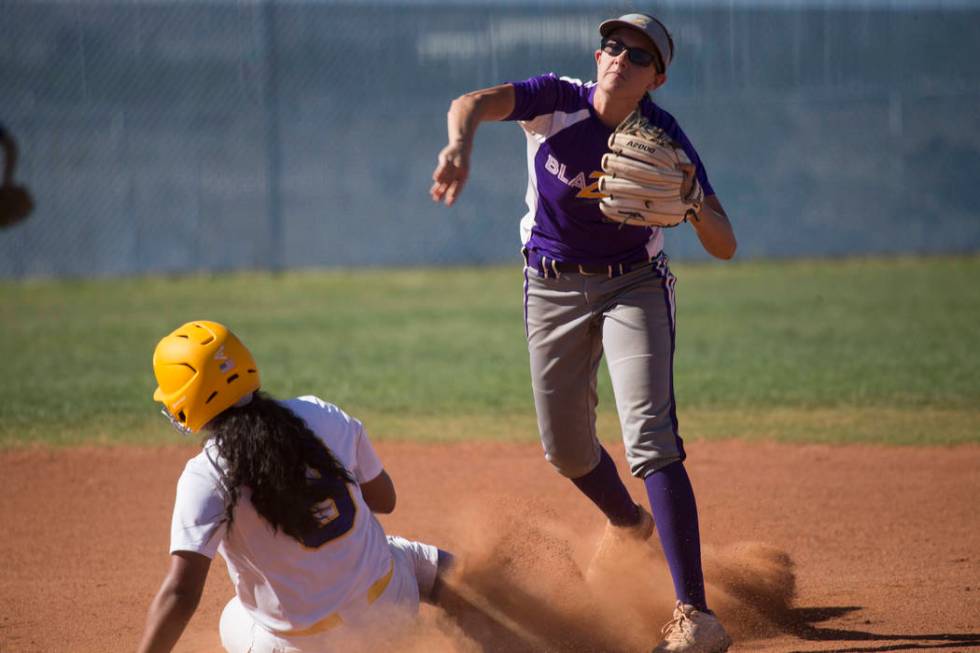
(270, 450)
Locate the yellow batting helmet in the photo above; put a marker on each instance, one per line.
(201, 370)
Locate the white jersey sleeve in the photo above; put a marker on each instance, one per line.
(345, 435)
(198, 523)
(367, 466)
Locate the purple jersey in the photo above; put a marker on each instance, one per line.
(565, 144)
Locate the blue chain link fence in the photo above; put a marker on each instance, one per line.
(165, 137)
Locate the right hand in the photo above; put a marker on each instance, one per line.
(450, 174)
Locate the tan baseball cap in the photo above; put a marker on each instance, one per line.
(650, 26)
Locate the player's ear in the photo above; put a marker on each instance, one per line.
(657, 82)
(598, 53)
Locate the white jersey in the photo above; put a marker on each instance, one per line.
(285, 585)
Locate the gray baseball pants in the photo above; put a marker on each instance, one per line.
(571, 319)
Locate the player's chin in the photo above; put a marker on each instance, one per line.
(615, 84)
(611, 84)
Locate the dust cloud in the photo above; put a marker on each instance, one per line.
(525, 583)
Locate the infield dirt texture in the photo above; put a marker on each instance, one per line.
(884, 543)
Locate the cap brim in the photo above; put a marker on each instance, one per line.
(607, 27)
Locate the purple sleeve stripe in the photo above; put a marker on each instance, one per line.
(520, 101)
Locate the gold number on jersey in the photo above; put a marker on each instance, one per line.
(591, 191)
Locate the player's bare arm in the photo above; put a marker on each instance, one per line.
(379, 493)
(465, 114)
(176, 601)
(714, 229)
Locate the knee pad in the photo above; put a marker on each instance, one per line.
(570, 463)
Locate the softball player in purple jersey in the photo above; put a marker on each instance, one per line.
(594, 287)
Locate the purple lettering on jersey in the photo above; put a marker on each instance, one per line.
(565, 144)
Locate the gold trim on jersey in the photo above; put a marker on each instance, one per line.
(334, 619)
(329, 622)
(379, 586)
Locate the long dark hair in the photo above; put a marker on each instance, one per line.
(270, 450)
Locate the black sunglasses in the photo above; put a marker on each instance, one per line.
(638, 56)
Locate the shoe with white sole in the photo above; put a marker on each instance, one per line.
(693, 631)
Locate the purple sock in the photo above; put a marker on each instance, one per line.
(676, 516)
(606, 490)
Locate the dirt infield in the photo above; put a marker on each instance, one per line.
(884, 544)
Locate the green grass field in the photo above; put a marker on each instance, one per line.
(841, 351)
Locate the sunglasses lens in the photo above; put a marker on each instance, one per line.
(613, 48)
(641, 57)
